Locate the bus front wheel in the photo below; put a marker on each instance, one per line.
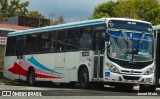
(84, 78)
(31, 77)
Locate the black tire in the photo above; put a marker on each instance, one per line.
(83, 78)
(124, 87)
(31, 77)
(147, 88)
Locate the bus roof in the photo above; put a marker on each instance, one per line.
(69, 25)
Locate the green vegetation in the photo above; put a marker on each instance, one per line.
(148, 10)
(15, 8)
(10, 8)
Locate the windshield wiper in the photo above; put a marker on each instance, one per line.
(139, 41)
(125, 38)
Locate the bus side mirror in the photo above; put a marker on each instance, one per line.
(107, 44)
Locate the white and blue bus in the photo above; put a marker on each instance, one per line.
(114, 51)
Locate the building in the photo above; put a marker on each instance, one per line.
(26, 21)
(6, 28)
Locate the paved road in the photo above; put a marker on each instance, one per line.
(48, 89)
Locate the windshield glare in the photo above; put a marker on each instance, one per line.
(131, 46)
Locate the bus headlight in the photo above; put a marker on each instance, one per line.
(149, 71)
(112, 68)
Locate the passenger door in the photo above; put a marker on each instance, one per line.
(98, 47)
(20, 47)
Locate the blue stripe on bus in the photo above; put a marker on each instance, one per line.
(39, 65)
(55, 28)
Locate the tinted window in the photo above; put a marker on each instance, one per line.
(44, 42)
(31, 44)
(61, 40)
(85, 38)
(73, 39)
(53, 41)
(20, 45)
(11, 46)
(99, 38)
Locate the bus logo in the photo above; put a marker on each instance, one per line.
(132, 71)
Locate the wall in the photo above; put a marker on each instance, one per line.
(2, 48)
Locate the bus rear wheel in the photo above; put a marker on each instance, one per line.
(83, 78)
(31, 77)
(147, 88)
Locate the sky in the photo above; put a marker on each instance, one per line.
(72, 10)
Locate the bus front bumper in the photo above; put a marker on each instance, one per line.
(128, 78)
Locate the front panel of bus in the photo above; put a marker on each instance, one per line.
(129, 52)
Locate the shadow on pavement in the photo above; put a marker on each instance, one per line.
(4, 81)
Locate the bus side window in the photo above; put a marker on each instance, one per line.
(61, 40)
(53, 41)
(31, 43)
(85, 38)
(11, 46)
(73, 38)
(43, 42)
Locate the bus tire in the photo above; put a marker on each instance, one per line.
(31, 77)
(83, 78)
(147, 88)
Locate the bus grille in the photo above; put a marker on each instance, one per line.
(131, 78)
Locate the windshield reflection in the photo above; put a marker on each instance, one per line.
(130, 46)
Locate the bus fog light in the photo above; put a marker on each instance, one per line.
(148, 79)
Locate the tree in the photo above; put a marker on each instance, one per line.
(55, 20)
(3, 9)
(148, 10)
(15, 8)
(35, 14)
(127, 9)
(105, 9)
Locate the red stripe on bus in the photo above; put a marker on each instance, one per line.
(16, 69)
(46, 76)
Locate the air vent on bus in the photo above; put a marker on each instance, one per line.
(131, 78)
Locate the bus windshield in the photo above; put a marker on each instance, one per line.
(131, 46)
